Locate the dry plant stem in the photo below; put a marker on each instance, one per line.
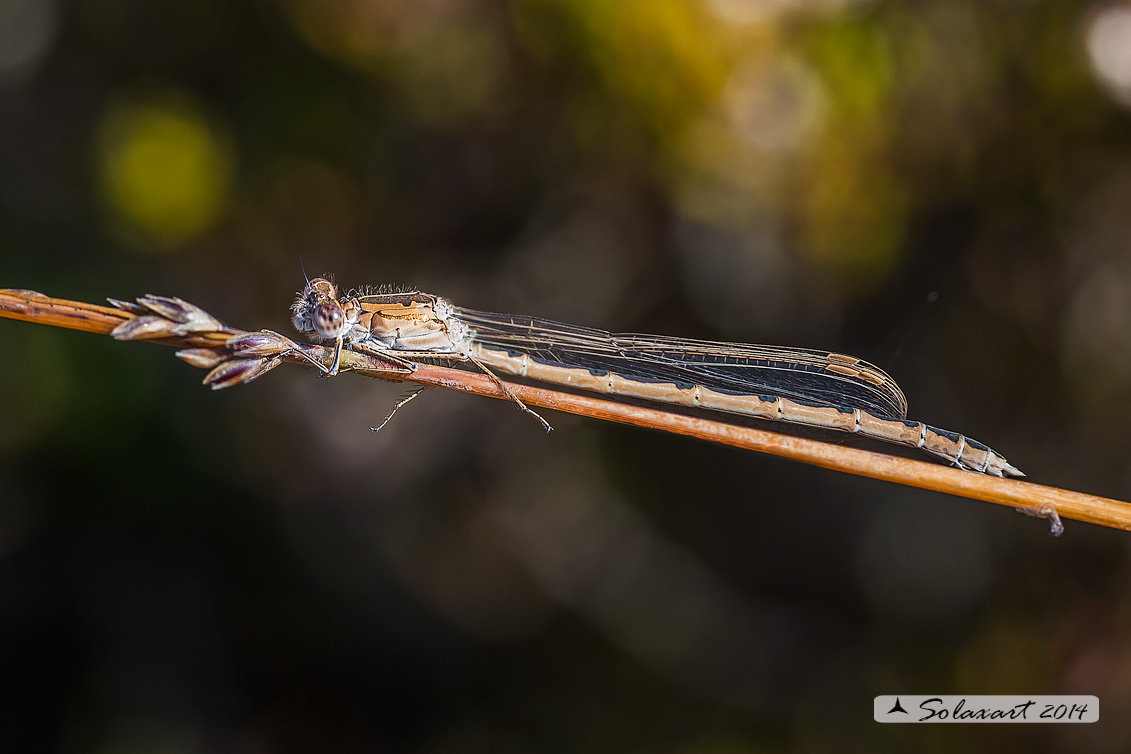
(31, 306)
(931, 476)
(1031, 498)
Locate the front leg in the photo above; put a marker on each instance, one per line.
(333, 370)
(268, 343)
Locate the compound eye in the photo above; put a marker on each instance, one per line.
(329, 320)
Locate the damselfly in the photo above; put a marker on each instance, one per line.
(796, 385)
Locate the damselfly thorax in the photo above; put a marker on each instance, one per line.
(801, 386)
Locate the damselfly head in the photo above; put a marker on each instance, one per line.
(318, 310)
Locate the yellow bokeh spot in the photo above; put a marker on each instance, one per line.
(165, 170)
(854, 59)
(660, 58)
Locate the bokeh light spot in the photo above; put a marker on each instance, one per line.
(741, 12)
(28, 29)
(165, 169)
(652, 58)
(1109, 49)
(776, 106)
(1096, 355)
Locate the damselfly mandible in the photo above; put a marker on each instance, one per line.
(796, 385)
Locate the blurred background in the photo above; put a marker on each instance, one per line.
(941, 187)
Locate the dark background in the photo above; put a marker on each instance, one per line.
(941, 187)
